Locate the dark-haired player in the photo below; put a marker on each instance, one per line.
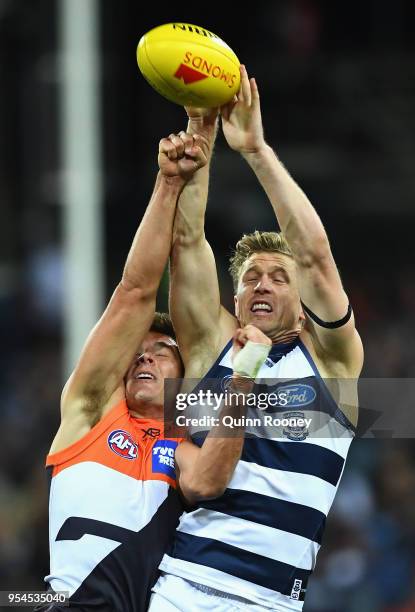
(113, 505)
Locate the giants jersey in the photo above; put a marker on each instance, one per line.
(113, 509)
(260, 539)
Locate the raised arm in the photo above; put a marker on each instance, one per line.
(127, 318)
(201, 325)
(320, 286)
(205, 472)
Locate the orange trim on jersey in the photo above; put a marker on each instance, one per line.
(77, 447)
(94, 447)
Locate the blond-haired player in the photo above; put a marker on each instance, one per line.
(255, 547)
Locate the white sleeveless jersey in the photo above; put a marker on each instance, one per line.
(261, 538)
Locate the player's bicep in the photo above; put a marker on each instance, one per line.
(328, 313)
(110, 346)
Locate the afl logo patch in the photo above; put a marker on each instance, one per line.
(121, 442)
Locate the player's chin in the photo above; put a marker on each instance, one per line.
(147, 391)
(264, 322)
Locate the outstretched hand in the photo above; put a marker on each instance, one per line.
(181, 155)
(241, 118)
(203, 121)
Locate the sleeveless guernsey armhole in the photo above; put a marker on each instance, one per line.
(338, 413)
(218, 359)
(328, 324)
(80, 445)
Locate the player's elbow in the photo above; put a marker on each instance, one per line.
(141, 291)
(316, 254)
(196, 490)
(189, 238)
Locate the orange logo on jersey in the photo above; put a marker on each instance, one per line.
(121, 442)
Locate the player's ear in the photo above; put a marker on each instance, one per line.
(302, 319)
(235, 299)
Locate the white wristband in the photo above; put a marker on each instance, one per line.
(250, 358)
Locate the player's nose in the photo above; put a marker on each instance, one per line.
(146, 358)
(264, 285)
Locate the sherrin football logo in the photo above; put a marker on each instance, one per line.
(121, 442)
(195, 68)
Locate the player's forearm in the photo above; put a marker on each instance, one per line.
(296, 216)
(152, 243)
(215, 468)
(190, 218)
(221, 450)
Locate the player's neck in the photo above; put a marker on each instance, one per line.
(284, 336)
(146, 410)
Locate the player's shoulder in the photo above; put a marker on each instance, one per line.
(346, 362)
(204, 355)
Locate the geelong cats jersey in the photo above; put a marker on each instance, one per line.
(260, 539)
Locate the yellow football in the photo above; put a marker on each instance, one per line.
(189, 65)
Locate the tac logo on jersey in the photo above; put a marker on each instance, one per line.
(163, 457)
(121, 442)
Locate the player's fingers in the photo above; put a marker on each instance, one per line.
(239, 337)
(240, 92)
(194, 111)
(226, 109)
(168, 148)
(245, 86)
(254, 92)
(190, 165)
(202, 143)
(201, 113)
(178, 143)
(188, 141)
(200, 157)
(196, 154)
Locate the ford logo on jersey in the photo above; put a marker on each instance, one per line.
(121, 442)
(163, 457)
(297, 396)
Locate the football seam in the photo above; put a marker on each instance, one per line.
(168, 86)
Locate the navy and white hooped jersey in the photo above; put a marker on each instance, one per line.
(260, 539)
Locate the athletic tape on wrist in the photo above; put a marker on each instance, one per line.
(250, 358)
